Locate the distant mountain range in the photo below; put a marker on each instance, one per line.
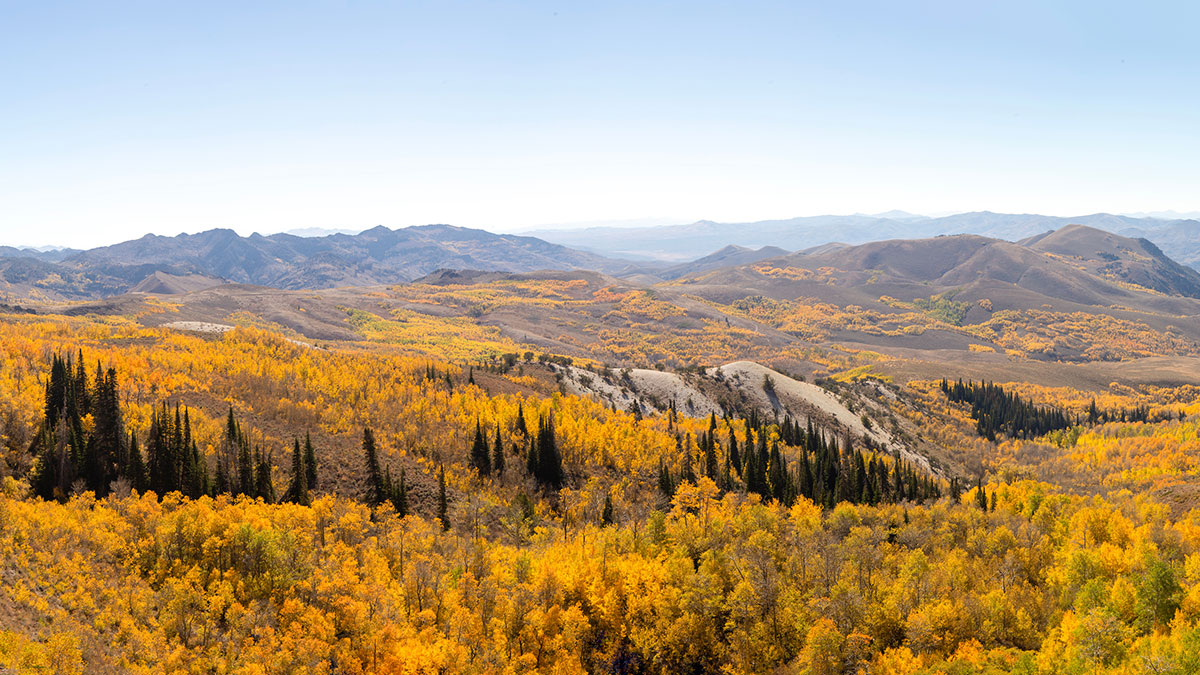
(1076, 263)
(1179, 238)
(1143, 252)
(189, 261)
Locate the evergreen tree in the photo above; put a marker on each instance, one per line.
(480, 453)
(297, 491)
(245, 461)
(735, 458)
(545, 461)
(710, 454)
(521, 428)
(135, 469)
(665, 484)
(443, 510)
(264, 487)
(400, 497)
(375, 488)
(498, 454)
(310, 462)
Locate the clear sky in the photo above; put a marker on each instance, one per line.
(121, 118)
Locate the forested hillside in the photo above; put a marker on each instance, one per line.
(244, 501)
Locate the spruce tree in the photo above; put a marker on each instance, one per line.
(310, 462)
(498, 454)
(480, 453)
(135, 468)
(544, 458)
(665, 484)
(264, 487)
(735, 458)
(375, 491)
(245, 482)
(443, 508)
(521, 428)
(400, 501)
(710, 455)
(297, 491)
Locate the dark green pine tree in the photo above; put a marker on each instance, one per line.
(781, 488)
(547, 460)
(400, 496)
(201, 484)
(297, 491)
(53, 471)
(158, 452)
(480, 453)
(221, 484)
(498, 454)
(245, 460)
(135, 468)
(194, 481)
(607, 517)
(860, 488)
(227, 458)
(443, 507)
(310, 462)
(82, 393)
(375, 488)
(531, 458)
(955, 491)
(264, 487)
(981, 499)
(63, 450)
(710, 454)
(521, 428)
(735, 458)
(389, 489)
(666, 484)
(108, 456)
(805, 478)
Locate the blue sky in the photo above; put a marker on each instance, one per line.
(118, 119)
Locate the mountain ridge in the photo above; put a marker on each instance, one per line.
(377, 256)
(1180, 238)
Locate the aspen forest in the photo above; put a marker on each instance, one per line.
(245, 503)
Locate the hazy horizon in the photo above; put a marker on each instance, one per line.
(636, 223)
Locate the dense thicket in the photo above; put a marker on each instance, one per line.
(998, 411)
(821, 468)
(72, 456)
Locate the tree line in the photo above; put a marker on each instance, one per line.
(998, 411)
(823, 469)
